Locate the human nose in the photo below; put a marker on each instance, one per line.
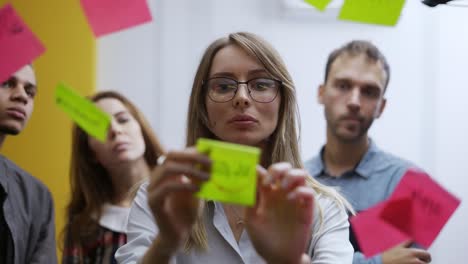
(19, 93)
(242, 96)
(114, 129)
(354, 101)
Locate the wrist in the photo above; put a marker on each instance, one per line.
(159, 252)
(164, 247)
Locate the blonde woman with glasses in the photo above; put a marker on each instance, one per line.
(242, 93)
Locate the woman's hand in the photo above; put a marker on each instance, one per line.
(171, 196)
(280, 224)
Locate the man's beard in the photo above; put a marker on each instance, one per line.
(362, 132)
(6, 130)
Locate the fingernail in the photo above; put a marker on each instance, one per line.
(185, 179)
(291, 196)
(267, 179)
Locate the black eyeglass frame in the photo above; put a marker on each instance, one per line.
(205, 82)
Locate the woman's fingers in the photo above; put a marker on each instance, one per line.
(293, 178)
(302, 193)
(157, 196)
(282, 176)
(276, 172)
(189, 155)
(178, 169)
(173, 187)
(177, 175)
(303, 197)
(178, 163)
(263, 176)
(271, 179)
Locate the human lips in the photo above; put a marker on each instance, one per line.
(242, 119)
(16, 112)
(120, 146)
(355, 118)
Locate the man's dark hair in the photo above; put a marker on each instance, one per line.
(357, 47)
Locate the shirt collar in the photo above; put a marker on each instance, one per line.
(115, 218)
(364, 168)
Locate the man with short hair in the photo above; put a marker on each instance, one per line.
(27, 230)
(356, 78)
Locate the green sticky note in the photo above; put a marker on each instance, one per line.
(85, 113)
(233, 172)
(319, 4)
(382, 12)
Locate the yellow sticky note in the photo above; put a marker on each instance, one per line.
(85, 113)
(233, 172)
(382, 12)
(319, 4)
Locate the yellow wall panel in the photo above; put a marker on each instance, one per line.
(44, 147)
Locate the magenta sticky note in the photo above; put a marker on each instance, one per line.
(373, 233)
(431, 207)
(18, 44)
(417, 210)
(398, 212)
(107, 16)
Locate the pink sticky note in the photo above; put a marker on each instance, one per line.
(417, 211)
(398, 212)
(431, 206)
(18, 44)
(107, 16)
(374, 234)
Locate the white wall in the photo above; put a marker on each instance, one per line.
(425, 118)
(450, 130)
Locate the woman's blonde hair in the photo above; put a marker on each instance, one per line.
(283, 144)
(90, 184)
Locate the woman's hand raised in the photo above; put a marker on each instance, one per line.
(171, 195)
(280, 224)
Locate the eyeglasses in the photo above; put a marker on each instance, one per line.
(261, 90)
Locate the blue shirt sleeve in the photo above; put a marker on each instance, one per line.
(359, 258)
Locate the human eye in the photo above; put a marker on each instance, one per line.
(123, 118)
(30, 90)
(343, 85)
(262, 84)
(371, 91)
(223, 85)
(10, 83)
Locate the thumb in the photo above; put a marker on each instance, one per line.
(263, 177)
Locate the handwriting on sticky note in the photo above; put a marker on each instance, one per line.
(417, 210)
(108, 16)
(319, 4)
(233, 172)
(231, 177)
(18, 44)
(432, 205)
(428, 205)
(82, 111)
(382, 12)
